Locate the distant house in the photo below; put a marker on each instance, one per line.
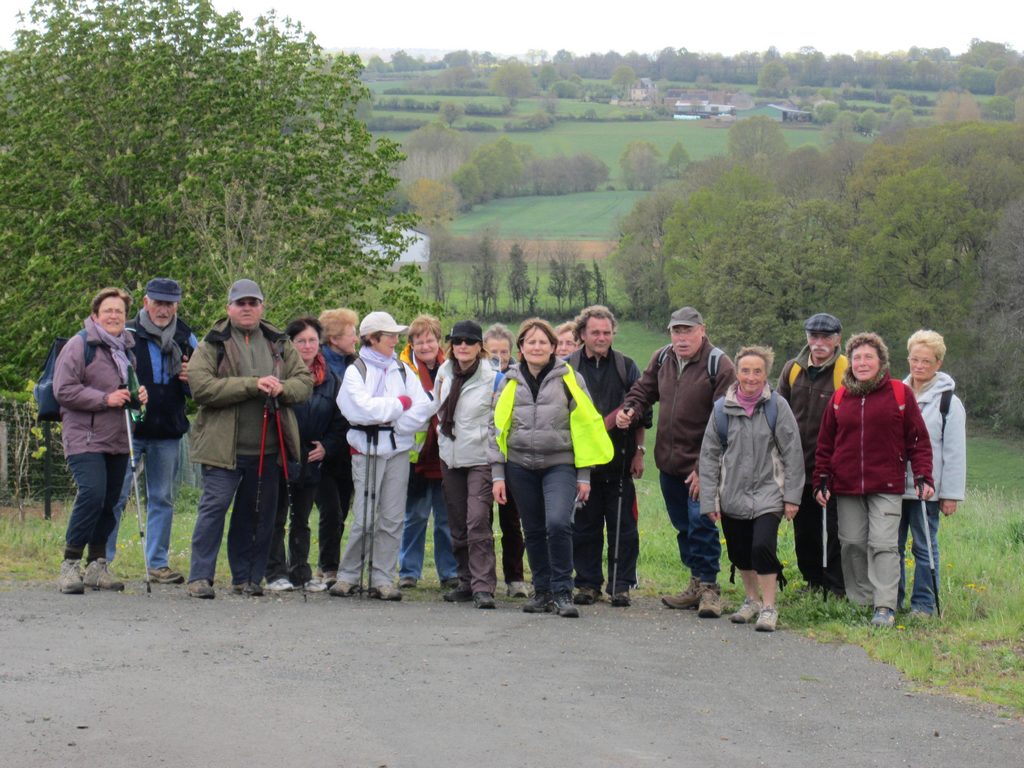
(643, 90)
(418, 250)
(791, 114)
(701, 110)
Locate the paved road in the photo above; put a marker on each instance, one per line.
(136, 680)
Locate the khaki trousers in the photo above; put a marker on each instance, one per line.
(869, 533)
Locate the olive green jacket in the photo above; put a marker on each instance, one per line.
(218, 389)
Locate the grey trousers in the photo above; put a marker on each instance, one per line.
(467, 492)
(384, 502)
(869, 529)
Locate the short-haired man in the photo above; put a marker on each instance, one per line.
(612, 502)
(244, 375)
(687, 376)
(163, 346)
(807, 382)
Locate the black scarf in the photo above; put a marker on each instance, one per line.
(534, 382)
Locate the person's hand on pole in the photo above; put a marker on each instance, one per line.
(822, 495)
(119, 398)
(270, 385)
(924, 491)
(624, 418)
(583, 492)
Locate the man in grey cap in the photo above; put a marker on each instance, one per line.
(245, 375)
(163, 346)
(807, 383)
(687, 376)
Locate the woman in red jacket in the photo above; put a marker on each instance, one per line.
(872, 429)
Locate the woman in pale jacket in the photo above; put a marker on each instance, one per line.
(465, 390)
(547, 436)
(946, 420)
(758, 476)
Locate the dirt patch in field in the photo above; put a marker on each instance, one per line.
(584, 249)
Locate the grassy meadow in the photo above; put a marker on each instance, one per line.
(975, 649)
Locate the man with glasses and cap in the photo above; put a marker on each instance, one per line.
(687, 376)
(163, 346)
(807, 382)
(245, 374)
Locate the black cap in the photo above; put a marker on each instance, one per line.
(466, 329)
(163, 289)
(822, 323)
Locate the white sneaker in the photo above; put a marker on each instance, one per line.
(280, 585)
(315, 585)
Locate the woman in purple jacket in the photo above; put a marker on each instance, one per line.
(90, 382)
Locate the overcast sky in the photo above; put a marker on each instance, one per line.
(715, 26)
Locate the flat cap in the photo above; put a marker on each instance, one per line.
(685, 316)
(822, 323)
(163, 289)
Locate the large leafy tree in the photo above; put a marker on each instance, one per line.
(158, 137)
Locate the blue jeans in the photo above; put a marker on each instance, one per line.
(250, 530)
(98, 478)
(161, 466)
(423, 496)
(546, 502)
(922, 598)
(700, 548)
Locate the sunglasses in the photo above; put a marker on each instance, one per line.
(458, 341)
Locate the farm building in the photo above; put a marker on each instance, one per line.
(688, 110)
(791, 114)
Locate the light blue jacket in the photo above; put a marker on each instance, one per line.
(949, 448)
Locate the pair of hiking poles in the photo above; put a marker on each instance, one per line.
(133, 412)
(369, 508)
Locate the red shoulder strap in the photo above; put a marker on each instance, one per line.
(837, 397)
(899, 391)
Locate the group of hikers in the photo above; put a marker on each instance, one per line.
(333, 411)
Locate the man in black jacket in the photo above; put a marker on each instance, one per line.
(612, 503)
(163, 345)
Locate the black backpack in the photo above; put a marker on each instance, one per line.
(42, 392)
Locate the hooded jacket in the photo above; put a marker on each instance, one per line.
(864, 443)
(949, 448)
(757, 473)
(218, 389)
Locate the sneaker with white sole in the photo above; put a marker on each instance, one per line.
(767, 619)
(280, 585)
(747, 612)
(315, 585)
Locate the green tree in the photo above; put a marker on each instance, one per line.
(1010, 81)
(600, 286)
(513, 81)
(678, 159)
(559, 279)
(622, 78)
(518, 277)
(483, 278)
(773, 78)
(998, 108)
(450, 112)
(640, 164)
(581, 283)
(756, 139)
(158, 137)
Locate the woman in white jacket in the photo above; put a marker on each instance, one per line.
(465, 390)
(384, 412)
(946, 420)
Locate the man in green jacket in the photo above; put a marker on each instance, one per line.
(241, 369)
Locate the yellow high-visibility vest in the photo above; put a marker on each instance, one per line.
(591, 445)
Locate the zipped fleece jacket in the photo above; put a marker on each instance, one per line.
(808, 397)
(472, 416)
(218, 389)
(865, 443)
(949, 449)
(539, 436)
(756, 474)
(687, 397)
(88, 425)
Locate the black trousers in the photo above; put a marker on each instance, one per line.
(601, 511)
(807, 542)
(295, 565)
(333, 499)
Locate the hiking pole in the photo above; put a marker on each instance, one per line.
(931, 556)
(618, 520)
(276, 407)
(824, 539)
(138, 504)
(259, 474)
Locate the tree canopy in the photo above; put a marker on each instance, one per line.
(159, 137)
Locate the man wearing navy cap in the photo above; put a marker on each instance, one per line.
(807, 383)
(162, 367)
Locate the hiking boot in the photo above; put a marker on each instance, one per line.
(767, 620)
(329, 577)
(165, 576)
(586, 596)
(710, 606)
(280, 585)
(564, 605)
(202, 589)
(483, 600)
(252, 589)
(458, 595)
(884, 617)
(385, 592)
(314, 585)
(70, 581)
(407, 582)
(920, 615)
(539, 603)
(519, 589)
(688, 598)
(451, 583)
(621, 599)
(98, 576)
(747, 612)
(343, 589)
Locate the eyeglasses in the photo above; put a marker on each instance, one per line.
(458, 341)
(247, 302)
